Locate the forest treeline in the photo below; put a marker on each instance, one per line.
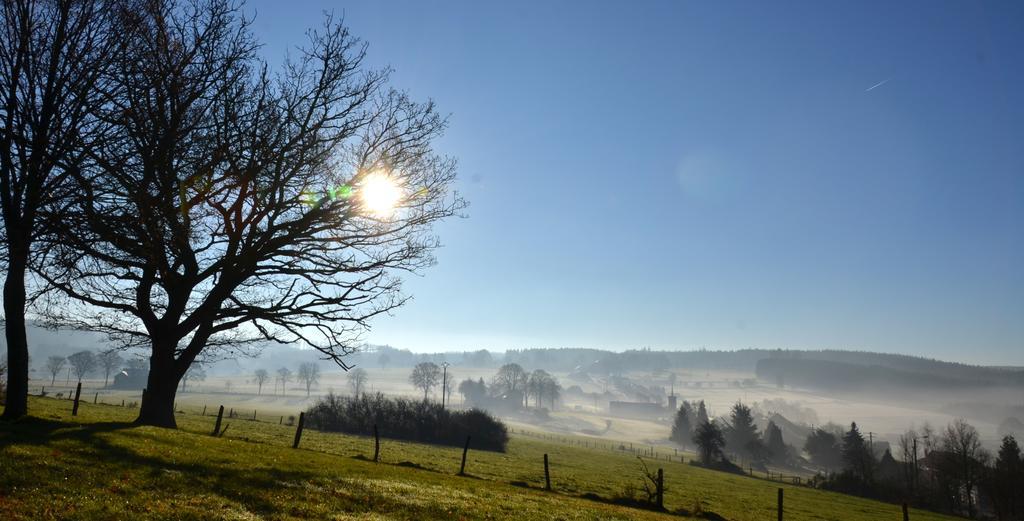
(828, 369)
(846, 376)
(946, 470)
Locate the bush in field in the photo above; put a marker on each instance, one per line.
(405, 419)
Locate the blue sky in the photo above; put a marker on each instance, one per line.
(678, 175)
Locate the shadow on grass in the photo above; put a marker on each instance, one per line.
(251, 487)
(631, 502)
(258, 490)
(405, 464)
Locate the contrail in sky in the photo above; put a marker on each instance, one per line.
(879, 84)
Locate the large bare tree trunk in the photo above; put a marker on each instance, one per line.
(17, 341)
(157, 407)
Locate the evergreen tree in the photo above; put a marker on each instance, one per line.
(857, 456)
(709, 441)
(742, 436)
(824, 449)
(682, 428)
(702, 413)
(776, 447)
(1006, 483)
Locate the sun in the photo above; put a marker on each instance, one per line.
(379, 194)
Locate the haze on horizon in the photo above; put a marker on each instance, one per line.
(688, 175)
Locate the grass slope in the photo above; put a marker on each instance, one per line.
(99, 466)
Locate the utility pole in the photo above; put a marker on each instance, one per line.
(914, 481)
(444, 383)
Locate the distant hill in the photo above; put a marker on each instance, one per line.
(813, 369)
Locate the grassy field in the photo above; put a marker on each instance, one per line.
(99, 466)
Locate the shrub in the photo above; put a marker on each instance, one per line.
(405, 419)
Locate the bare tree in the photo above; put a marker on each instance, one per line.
(83, 363)
(261, 378)
(907, 443)
(425, 376)
(963, 446)
(284, 375)
(221, 195)
(110, 361)
(552, 390)
(511, 378)
(195, 373)
(357, 379)
(54, 365)
(309, 375)
(538, 384)
(52, 55)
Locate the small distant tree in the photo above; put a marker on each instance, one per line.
(110, 361)
(473, 391)
(284, 375)
(261, 378)
(511, 377)
(137, 365)
(357, 379)
(710, 441)
(552, 390)
(824, 449)
(195, 373)
(702, 413)
(682, 426)
(82, 363)
(383, 360)
(537, 385)
(309, 374)
(425, 376)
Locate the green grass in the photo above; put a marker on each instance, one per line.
(99, 466)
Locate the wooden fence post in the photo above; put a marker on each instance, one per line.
(906, 513)
(78, 394)
(547, 475)
(298, 431)
(254, 415)
(462, 469)
(780, 504)
(661, 488)
(220, 416)
(204, 409)
(96, 399)
(376, 444)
